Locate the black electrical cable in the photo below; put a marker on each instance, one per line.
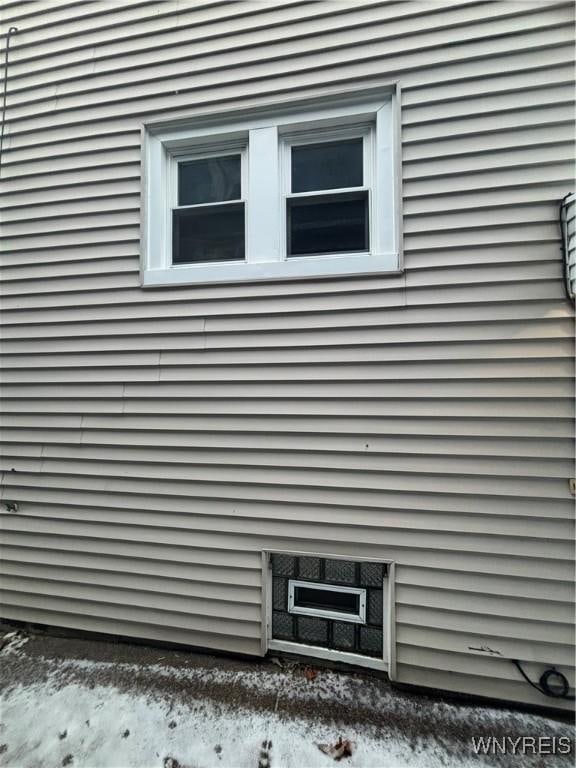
(525, 676)
(544, 687)
(11, 32)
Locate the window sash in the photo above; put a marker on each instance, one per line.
(355, 195)
(333, 133)
(203, 154)
(333, 147)
(227, 150)
(355, 618)
(203, 217)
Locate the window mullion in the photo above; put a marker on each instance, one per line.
(263, 223)
(384, 182)
(156, 229)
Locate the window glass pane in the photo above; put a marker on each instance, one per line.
(214, 233)
(209, 180)
(328, 600)
(328, 165)
(335, 224)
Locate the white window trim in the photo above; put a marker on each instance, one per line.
(354, 618)
(267, 132)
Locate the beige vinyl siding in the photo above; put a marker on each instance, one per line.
(157, 441)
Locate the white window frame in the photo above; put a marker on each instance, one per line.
(366, 132)
(202, 153)
(264, 136)
(353, 618)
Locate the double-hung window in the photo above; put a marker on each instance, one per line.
(328, 195)
(208, 212)
(286, 191)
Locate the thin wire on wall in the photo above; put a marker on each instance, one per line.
(11, 31)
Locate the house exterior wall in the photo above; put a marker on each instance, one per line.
(157, 441)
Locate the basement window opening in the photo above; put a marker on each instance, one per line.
(328, 605)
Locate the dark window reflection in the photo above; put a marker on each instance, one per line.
(336, 224)
(214, 233)
(209, 180)
(328, 165)
(327, 600)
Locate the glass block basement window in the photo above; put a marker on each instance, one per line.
(335, 604)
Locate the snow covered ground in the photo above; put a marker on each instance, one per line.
(168, 711)
(103, 727)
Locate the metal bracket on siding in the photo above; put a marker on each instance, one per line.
(568, 230)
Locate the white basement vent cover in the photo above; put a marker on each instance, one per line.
(330, 603)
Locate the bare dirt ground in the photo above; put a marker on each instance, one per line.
(89, 704)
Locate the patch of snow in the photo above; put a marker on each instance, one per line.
(96, 714)
(104, 728)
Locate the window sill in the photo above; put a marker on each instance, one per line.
(295, 268)
(328, 654)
